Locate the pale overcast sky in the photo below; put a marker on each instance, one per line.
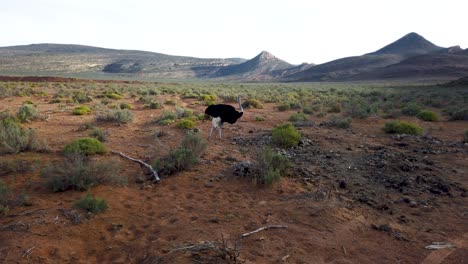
(294, 30)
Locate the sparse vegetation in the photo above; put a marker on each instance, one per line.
(338, 121)
(27, 113)
(97, 134)
(121, 116)
(271, 165)
(14, 138)
(125, 106)
(401, 127)
(92, 204)
(167, 117)
(77, 172)
(85, 146)
(183, 157)
(286, 136)
(185, 123)
(298, 117)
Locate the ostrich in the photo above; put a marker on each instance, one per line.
(223, 113)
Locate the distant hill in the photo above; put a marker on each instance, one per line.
(260, 67)
(78, 60)
(410, 57)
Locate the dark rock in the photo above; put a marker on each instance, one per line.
(342, 184)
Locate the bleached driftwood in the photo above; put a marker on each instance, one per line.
(153, 171)
(261, 229)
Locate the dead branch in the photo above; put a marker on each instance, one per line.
(261, 229)
(28, 252)
(154, 172)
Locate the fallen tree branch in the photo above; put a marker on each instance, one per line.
(154, 172)
(261, 229)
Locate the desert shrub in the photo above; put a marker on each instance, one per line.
(185, 123)
(81, 97)
(183, 112)
(16, 166)
(97, 134)
(77, 172)
(334, 108)
(113, 95)
(27, 113)
(252, 103)
(259, 119)
(167, 117)
(286, 136)
(298, 117)
(14, 138)
(92, 204)
(209, 99)
(4, 193)
(183, 157)
(427, 115)
(458, 114)
(402, 127)
(125, 106)
(85, 146)
(81, 110)
(357, 108)
(308, 110)
(28, 102)
(170, 102)
(271, 166)
(411, 109)
(339, 121)
(465, 137)
(283, 107)
(153, 104)
(121, 116)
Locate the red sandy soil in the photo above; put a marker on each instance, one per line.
(151, 223)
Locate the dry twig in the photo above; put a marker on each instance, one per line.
(153, 171)
(261, 229)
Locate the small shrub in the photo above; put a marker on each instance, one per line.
(259, 119)
(286, 136)
(113, 95)
(92, 204)
(334, 108)
(186, 124)
(271, 165)
(97, 134)
(121, 116)
(154, 105)
(401, 127)
(76, 172)
(183, 112)
(411, 109)
(27, 113)
(427, 115)
(209, 99)
(182, 158)
(339, 121)
(81, 110)
(125, 106)
(170, 102)
(28, 102)
(465, 137)
(252, 103)
(167, 118)
(85, 146)
(4, 193)
(458, 115)
(80, 97)
(14, 138)
(308, 110)
(283, 107)
(298, 117)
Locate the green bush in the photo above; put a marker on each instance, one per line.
(27, 113)
(170, 102)
(113, 95)
(458, 115)
(284, 107)
(209, 99)
(121, 116)
(465, 137)
(97, 134)
(259, 119)
(182, 158)
(85, 146)
(125, 106)
(286, 136)
(185, 124)
(308, 110)
(271, 165)
(81, 110)
(252, 103)
(80, 97)
(339, 121)
(92, 204)
(76, 172)
(14, 138)
(411, 109)
(154, 105)
(298, 117)
(167, 118)
(402, 127)
(4, 193)
(183, 112)
(427, 115)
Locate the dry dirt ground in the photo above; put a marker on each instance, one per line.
(354, 196)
